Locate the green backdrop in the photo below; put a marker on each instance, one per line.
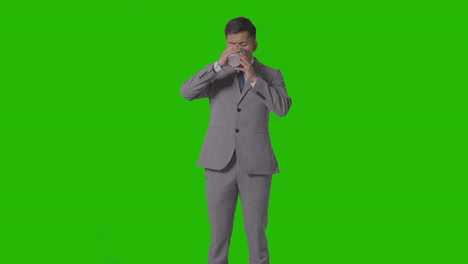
(99, 149)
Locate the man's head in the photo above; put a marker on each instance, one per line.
(241, 32)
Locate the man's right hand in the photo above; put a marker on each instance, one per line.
(223, 60)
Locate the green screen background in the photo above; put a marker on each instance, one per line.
(99, 149)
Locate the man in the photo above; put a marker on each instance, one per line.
(237, 153)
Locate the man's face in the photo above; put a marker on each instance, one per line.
(244, 40)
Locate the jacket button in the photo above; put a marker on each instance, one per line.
(237, 130)
(238, 109)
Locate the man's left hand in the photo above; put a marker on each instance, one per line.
(247, 68)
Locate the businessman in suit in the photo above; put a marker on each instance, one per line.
(237, 154)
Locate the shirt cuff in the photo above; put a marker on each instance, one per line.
(253, 84)
(216, 67)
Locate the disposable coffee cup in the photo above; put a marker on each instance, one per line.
(233, 57)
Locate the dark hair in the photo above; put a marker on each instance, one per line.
(240, 24)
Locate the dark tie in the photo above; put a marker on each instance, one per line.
(241, 79)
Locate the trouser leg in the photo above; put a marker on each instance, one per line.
(221, 193)
(254, 193)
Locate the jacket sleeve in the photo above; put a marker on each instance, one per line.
(199, 86)
(273, 95)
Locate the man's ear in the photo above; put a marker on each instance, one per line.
(255, 45)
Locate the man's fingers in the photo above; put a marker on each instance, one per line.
(243, 63)
(240, 68)
(230, 52)
(243, 57)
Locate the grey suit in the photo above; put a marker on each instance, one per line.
(239, 121)
(237, 154)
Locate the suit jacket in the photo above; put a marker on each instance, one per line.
(239, 122)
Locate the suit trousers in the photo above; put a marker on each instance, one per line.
(222, 190)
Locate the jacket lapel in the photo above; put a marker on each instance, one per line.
(258, 67)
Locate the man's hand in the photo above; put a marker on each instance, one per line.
(223, 60)
(247, 68)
